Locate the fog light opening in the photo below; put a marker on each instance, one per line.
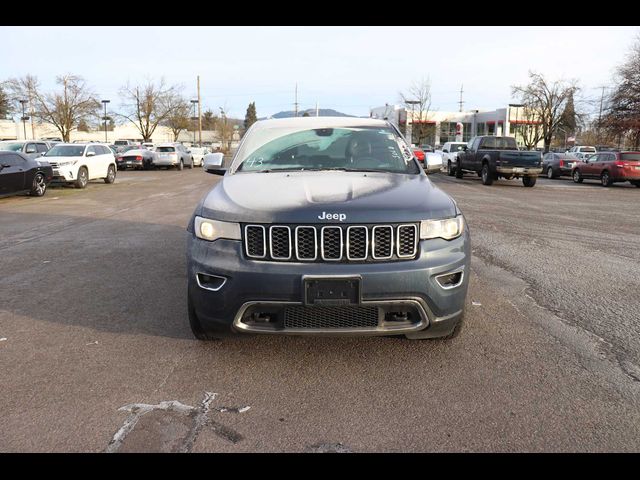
(450, 280)
(210, 282)
(400, 316)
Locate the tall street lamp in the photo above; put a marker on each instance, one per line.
(224, 126)
(517, 106)
(105, 118)
(24, 117)
(194, 118)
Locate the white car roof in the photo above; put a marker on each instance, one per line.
(317, 122)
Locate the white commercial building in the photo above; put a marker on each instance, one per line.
(15, 130)
(499, 122)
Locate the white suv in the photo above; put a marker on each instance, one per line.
(78, 163)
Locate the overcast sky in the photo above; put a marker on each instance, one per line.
(349, 69)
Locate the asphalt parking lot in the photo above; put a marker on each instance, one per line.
(96, 352)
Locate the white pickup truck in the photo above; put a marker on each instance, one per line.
(449, 155)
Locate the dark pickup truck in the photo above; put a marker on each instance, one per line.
(498, 157)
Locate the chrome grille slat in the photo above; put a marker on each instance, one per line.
(304, 233)
(330, 246)
(332, 243)
(280, 242)
(382, 242)
(407, 241)
(357, 246)
(252, 243)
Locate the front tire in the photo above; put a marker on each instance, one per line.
(450, 170)
(529, 181)
(39, 186)
(550, 174)
(605, 179)
(181, 165)
(83, 178)
(577, 176)
(196, 326)
(458, 170)
(487, 177)
(111, 175)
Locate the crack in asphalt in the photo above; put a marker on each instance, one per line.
(199, 415)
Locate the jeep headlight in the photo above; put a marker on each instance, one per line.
(214, 229)
(449, 228)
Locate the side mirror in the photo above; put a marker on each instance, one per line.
(465, 148)
(91, 154)
(212, 163)
(188, 151)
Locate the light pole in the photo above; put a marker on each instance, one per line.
(194, 118)
(224, 127)
(517, 106)
(105, 118)
(24, 117)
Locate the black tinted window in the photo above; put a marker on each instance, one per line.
(41, 147)
(488, 143)
(11, 160)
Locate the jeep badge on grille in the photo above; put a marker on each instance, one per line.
(332, 216)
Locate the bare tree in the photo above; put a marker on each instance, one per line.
(178, 118)
(64, 109)
(547, 100)
(622, 117)
(149, 105)
(417, 100)
(530, 129)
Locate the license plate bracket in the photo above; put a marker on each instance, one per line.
(331, 291)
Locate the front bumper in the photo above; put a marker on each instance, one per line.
(410, 283)
(65, 173)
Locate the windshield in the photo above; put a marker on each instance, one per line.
(11, 147)
(344, 148)
(165, 149)
(65, 151)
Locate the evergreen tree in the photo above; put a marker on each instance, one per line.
(251, 117)
(4, 104)
(568, 119)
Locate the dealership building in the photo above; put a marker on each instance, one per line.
(499, 122)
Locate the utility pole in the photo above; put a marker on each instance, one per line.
(24, 118)
(199, 115)
(296, 102)
(461, 102)
(600, 114)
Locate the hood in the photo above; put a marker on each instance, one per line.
(314, 197)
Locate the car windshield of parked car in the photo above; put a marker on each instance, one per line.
(588, 149)
(633, 157)
(165, 149)
(345, 148)
(11, 147)
(65, 151)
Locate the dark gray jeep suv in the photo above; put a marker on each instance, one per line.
(326, 225)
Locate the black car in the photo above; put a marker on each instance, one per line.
(326, 226)
(138, 158)
(555, 165)
(19, 173)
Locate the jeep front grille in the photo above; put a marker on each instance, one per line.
(347, 316)
(331, 243)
